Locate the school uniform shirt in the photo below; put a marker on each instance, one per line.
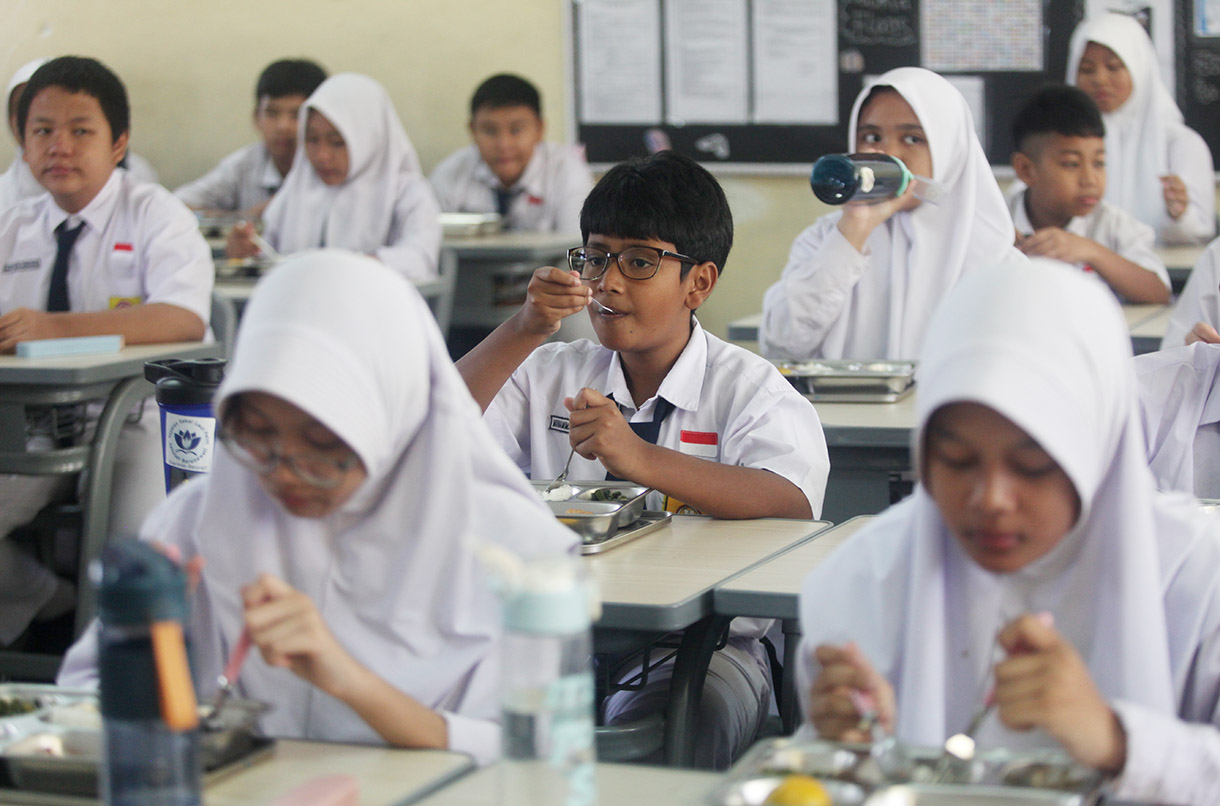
(730, 405)
(393, 571)
(17, 183)
(1199, 300)
(385, 207)
(140, 245)
(245, 178)
(547, 197)
(1134, 585)
(1180, 410)
(1115, 229)
(833, 301)
(1146, 137)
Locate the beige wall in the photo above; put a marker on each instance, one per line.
(190, 67)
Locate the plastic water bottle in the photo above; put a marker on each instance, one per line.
(185, 389)
(840, 178)
(150, 735)
(547, 714)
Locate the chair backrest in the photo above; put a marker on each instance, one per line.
(224, 322)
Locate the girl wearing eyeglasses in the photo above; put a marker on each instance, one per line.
(336, 525)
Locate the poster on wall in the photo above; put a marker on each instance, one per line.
(620, 61)
(796, 79)
(971, 36)
(706, 75)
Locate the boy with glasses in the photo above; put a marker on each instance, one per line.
(660, 402)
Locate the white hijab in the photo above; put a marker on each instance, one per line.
(1048, 349)
(18, 182)
(1179, 390)
(931, 247)
(1139, 131)
(392, 572)
(306, 212)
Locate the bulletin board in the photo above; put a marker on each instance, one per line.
(768, 85)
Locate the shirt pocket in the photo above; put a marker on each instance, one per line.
(124, 281)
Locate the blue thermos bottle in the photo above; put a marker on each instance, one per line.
(840, 178)
(185, 389)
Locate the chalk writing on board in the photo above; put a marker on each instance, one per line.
(877, 22)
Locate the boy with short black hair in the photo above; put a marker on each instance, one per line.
(534, 185)
(246, 180)
(99, 253)
(1060, 157)
(660, 402)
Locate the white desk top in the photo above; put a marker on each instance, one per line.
(617, 785)
(512, 245)
(771, 589)
(71, 369)
(1154, 326)
(900, 415)
(386, 776)
(664, 581)
(1180, 257)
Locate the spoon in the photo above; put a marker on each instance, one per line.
(267, 249)
(227, 680)
(563, 475)
(605, 308)
(959, 748)
(885, 749)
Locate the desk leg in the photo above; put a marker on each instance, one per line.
(686, 687)
(790, 702)
(95, 497)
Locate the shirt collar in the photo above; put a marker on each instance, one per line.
(1021, 222)
(683, 384)
(96, 213)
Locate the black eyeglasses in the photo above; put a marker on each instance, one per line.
(260, 456)
(635, 262)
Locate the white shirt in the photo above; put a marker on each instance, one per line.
(1179, 397)
(139, 245)
(731, 407)
(835, 302)
(18, 183)
(548, 196)
(245, 178)
(1114, 228)
(1199, 300)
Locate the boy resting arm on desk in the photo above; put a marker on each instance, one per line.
(660, 395)
(1061, 158)
(100, 253)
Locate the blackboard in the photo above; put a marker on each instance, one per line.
(878, 35)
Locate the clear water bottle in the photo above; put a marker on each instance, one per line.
(547, 694)
(149, 714)
(840, 178)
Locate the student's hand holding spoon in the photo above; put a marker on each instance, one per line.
(598, 430)
(1044, 683)
(290, 633)
(240, 243)
(835, 696)
(553, 295)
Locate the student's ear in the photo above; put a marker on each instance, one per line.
(1023, 167)
(119, 149)
(700, 282)
(470, 126)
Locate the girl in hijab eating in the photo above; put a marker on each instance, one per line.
(1035, 567)
(355, 184)
(1157, 168)
(336, 526)
(862, 283)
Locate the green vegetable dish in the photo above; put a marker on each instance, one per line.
(607, 494)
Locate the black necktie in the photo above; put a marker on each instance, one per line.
(57, 297)
(648, 431)
(504, 200)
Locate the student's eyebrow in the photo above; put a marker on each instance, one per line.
(943, 433)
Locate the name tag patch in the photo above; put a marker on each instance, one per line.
(705, 444)
(22, 265)
(559, 424)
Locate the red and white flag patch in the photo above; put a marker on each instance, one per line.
(700, 443)
(123, 247)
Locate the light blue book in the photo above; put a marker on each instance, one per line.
(80, 345)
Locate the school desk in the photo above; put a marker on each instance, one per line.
(493, 271)
(1179, 260)
(868, 443)
(664, 582)
(117, 378)
(746, 328)
(617, 785)
(386, 776)
(1146, 335)
(771, 590)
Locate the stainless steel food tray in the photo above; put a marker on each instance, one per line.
(850, 381)
(850, 776)
(598, 520)
(647, 522)
(466, 224)
(232, 745)
(250, 268)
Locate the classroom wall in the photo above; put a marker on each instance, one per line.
(190, 67)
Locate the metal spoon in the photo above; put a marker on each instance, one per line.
(562, 477)
(605, 308)
(885, 749)
(227, 680)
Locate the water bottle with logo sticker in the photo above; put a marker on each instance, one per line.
(188, 427)
(871, 177)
